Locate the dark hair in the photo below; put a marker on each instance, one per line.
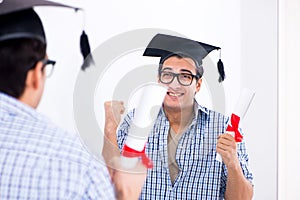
(17, 57)
(199, 68)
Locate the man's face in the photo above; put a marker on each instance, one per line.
(179, 96)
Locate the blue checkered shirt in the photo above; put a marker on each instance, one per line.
(38, 160)
(200, 175)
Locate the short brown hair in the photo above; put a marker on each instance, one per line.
(17, 57)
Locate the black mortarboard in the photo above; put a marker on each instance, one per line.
(165, 46)
(19, 20)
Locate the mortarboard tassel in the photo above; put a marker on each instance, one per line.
(85, 51)
(221, 70)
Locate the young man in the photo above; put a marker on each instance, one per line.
(39, 160)
(186, 136)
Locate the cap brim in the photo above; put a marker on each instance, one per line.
(9, 6)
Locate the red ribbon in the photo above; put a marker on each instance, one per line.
(235, 127)
(130, 153)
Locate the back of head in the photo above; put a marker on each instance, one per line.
(22, 45)
(17, 57)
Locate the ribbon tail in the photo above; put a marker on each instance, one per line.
(147, 161)
(235, 128)
(131, 153)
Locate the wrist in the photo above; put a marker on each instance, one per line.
(233, 164)
(110, 128)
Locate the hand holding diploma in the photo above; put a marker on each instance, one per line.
(128, 183)
(226, 146)
(152, 96)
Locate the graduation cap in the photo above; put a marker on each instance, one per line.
(19, 20)
(165, 46)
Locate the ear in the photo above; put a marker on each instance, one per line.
(198, 85)
(35, 77)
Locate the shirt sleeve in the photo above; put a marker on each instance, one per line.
(97, 182)
(123, 129)
(244, 159)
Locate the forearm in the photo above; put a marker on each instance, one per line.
(110, 144)
(113, 112)
(237, 187)
(129, 182)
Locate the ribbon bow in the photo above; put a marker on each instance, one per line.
(131, 153)
(235, 127)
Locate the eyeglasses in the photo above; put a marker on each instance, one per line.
(49, 69)
(184, 79)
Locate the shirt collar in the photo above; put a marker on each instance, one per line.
(14, 107)
(197, 108)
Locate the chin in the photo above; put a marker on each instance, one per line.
(174, 106)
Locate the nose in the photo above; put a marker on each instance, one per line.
(175, 83)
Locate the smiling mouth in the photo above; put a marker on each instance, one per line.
(172, 94)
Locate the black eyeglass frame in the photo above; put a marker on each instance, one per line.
(48, 62)
(177, 76)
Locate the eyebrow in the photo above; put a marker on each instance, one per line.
(185, 70)
(181, 70)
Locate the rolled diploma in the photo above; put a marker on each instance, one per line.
(240, 109)
(149, 104)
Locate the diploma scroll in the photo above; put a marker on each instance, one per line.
(145, 113)
(239, 112)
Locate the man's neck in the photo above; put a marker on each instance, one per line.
(29, 99)
(180, 118)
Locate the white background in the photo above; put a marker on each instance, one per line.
(289, 48)
(247, 32)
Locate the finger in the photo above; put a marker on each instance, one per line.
(118, 105)
(226, 145)
(114, 107)
(113, 103)
(226, 135)
(222, 146)
(226, 148)
(122, 110)
(226, 141)
(107, 104)
(117, 102)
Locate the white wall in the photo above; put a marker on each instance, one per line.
(259, 36)
(289, 48)
(246, 31)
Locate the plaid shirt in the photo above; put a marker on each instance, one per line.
(200, 175)
(40, 161)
